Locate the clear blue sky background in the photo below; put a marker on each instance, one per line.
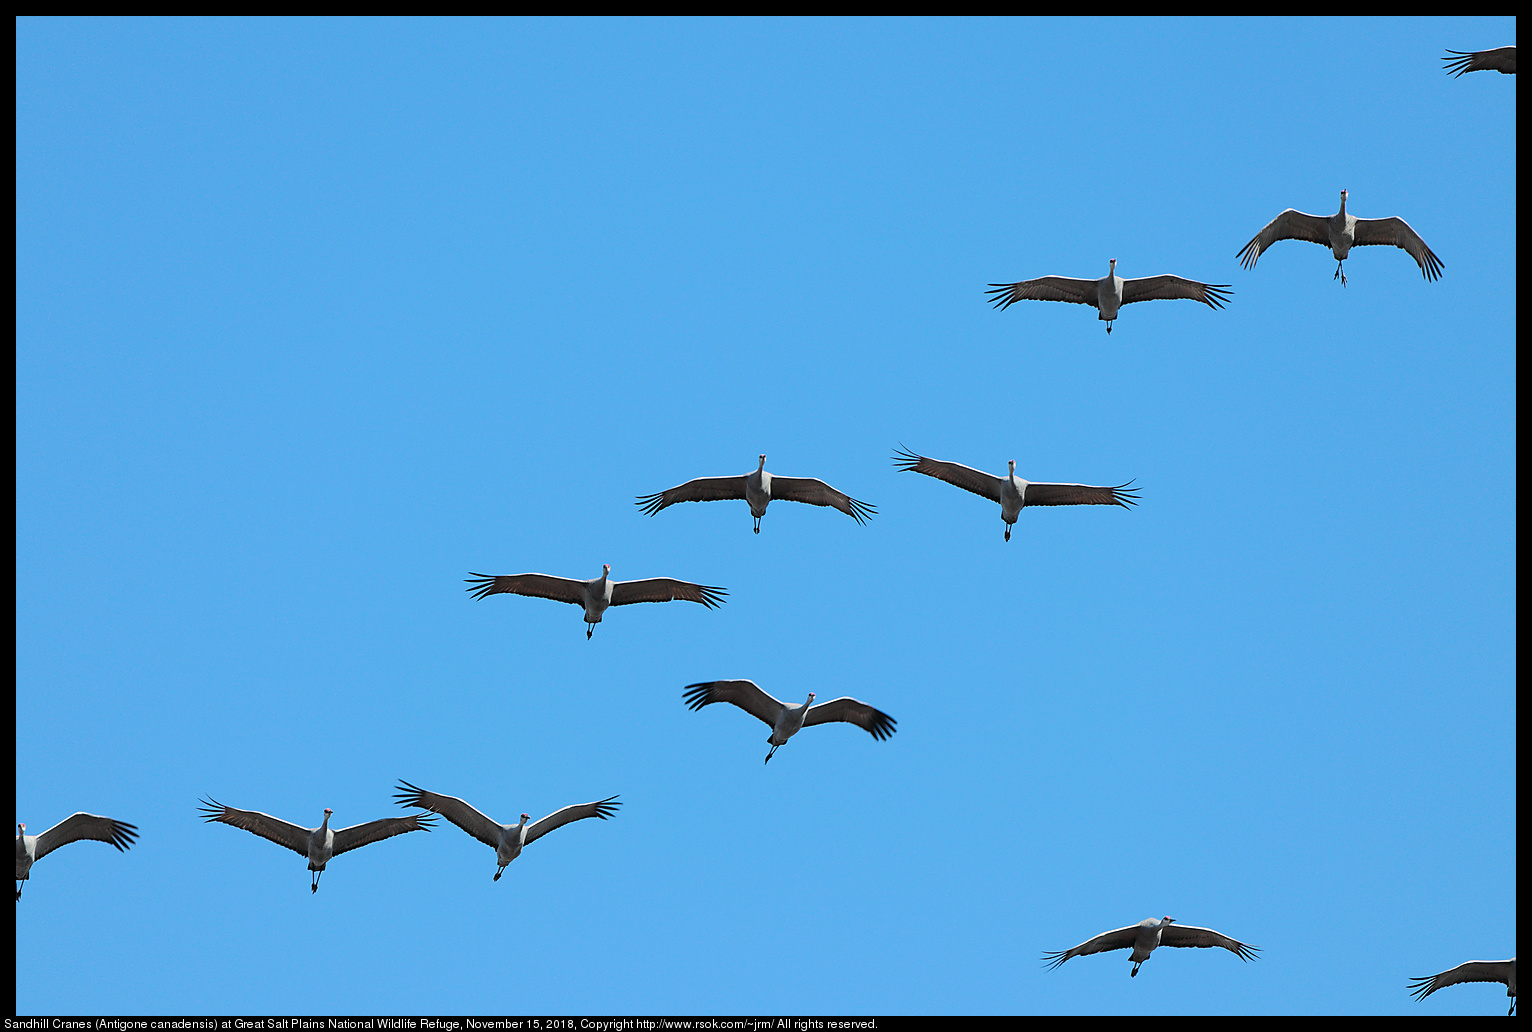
(316, 317)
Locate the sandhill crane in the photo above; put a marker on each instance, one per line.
(32, 848)
(508, 840)
(1146, 935)
(1012, 492)
(758, 488)
(595, 595)
(1501, 59)
(1340, 233)
(1503, 971)
(785, 718)
(318, 844)
(1110, 292)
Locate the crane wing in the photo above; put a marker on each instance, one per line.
(86, 826)
(747, 695)
(703, 489)
(452, 808)
(1044, 288)
(537, 585)
(602, 808)
(853, 711)
(1191, 935)
(263, 824)
(666, 589)
(1290, 225)
(817, 492)
(1172, 288)
(1501, 59)
(1397, 232)
(1503, 971)
(1080, 494)
(1116, 939)
(966, 477)
(359, 835)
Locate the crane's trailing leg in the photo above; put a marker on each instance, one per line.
(498, 872)
(1134, 972)
(589, 630)
(771, 754)
(1008, 532)
(757, 524)
(20, 887)
(1340, 273)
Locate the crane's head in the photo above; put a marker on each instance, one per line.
(1167, 920)
(21, 829)
(525, 817)
(1343, 196)
(328, 811)
(1013, 467)
(606, 568)
(811, 698)
(763, 458)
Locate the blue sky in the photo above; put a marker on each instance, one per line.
(316, 317)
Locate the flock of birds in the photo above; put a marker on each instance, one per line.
(1339, 232)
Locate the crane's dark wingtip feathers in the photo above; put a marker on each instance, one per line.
(1423, 986)
(409, 795)
(905, 460)
(712, 597)
(210, 808)
(1457, 62)
(699, 695)
(479, 585)
(651, 504)
(861, 511)
(1123, 497)
(1216, 295)
(1005, 295)
(1053, 960)
(1461, 61)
